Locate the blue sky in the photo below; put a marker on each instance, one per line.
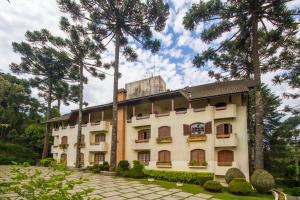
(173, 62)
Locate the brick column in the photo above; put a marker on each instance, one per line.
(121, 127)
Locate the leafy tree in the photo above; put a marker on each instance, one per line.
(46, 67)
(245, 23)
(120, 20)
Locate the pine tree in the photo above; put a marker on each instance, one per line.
(120, 20)
(46, 67)
(245, 23)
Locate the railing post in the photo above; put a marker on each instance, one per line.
(172, 104)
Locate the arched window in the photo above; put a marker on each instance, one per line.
(220, 106)
(164, 156)
(197, 128)
(164, 132)
(63, 157)
(64, 140)
(144, 157)
(99, 137)
(81, 158)
(198, 155)
(225, 158)
(144, 134)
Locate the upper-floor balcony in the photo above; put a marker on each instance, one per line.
(54, 149)
(140, 144)
(226, 140)
(100, 146)
(227, 111)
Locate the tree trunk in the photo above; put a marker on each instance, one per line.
(58, 105)
(259, 155)
(77, 164)
(48, 115)
(113, 152)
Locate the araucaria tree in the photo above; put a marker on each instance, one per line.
(255, 31)
(119, 20)
(46, 67)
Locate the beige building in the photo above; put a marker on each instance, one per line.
(201, 128)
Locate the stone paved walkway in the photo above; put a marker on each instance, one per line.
(112, 188)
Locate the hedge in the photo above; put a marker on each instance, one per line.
(198, 178)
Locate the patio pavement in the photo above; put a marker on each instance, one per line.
(113, 188)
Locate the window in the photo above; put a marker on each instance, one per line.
(99, 137)
(64, 140)
(144, 157)
(197, 128)
(99, 157)
(220, 106)
(81, 159)
(225, 158)
(82, 139)
(198, 155)
(164, 156)
(164, 132)
(144, 134)
(223, 130)
(63, 157)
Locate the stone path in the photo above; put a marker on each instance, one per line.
(112, 188)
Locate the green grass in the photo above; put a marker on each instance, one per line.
(195, 189)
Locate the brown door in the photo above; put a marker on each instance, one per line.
(198, 155)
(225, 158)
(164, 156)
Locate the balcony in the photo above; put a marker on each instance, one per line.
(140, 145)
(229, 140)
(63, 146)
(229, 111)
(164, 164)
(221, 168)
(164, 140)
(197, 138)
(100, 126)
(141, 121)
(198, 164)
(101, 146)
(54, 149)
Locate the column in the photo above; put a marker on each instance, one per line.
(102, 115)
(152, 107)
(172, 104)
(89, 117)
(133, 111)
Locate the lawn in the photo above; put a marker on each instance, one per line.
(194, 189)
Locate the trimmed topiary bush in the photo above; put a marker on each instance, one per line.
(105, 166)
(213, 186)
(262, 181)
(233, 173)
(136, 171)
(122, 167)
(240, 186)
(198, 178)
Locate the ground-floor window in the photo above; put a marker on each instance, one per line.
(99, 157)
(63, 157)
(225, 158)
(144, 157)
(164, 156)
(197, 157)
(100, 137)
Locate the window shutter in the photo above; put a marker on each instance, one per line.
(229, 128)
(82, 139)
(141, 135)
(186, 129)
(220, 129)
(164, 132)
(208, 128)
(148, 134)
(167, 156)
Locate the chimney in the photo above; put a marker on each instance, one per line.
(122, 94)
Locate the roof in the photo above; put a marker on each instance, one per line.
(217, 89)
(191, 93)
(60, 118)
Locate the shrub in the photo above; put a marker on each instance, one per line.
(262, 181)
(122, 167)
(136, 171)
(233, 173)
(293, 191)
(240, 186)
(105, 166)
(213, 186)
(47, 162)
(198, 178)
(286, 183)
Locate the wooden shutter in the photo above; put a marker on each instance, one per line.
(220, 129)
(64, 140)
(82, 139)
(229, 128)
(164, 156)
(208, 128)
(81, 158)
(102, 137)
(164, 132)
(225, 156)
(167, 156)
(161, 156)
(198, 155)
(141, 135)
(186, 129)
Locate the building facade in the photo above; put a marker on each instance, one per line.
(201, 128)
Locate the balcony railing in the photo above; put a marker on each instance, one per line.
(197, 164)
(63, 146)
(226, 140)
(164, 140)
(197, 138)
(164, 164)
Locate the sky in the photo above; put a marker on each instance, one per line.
(173, 62)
